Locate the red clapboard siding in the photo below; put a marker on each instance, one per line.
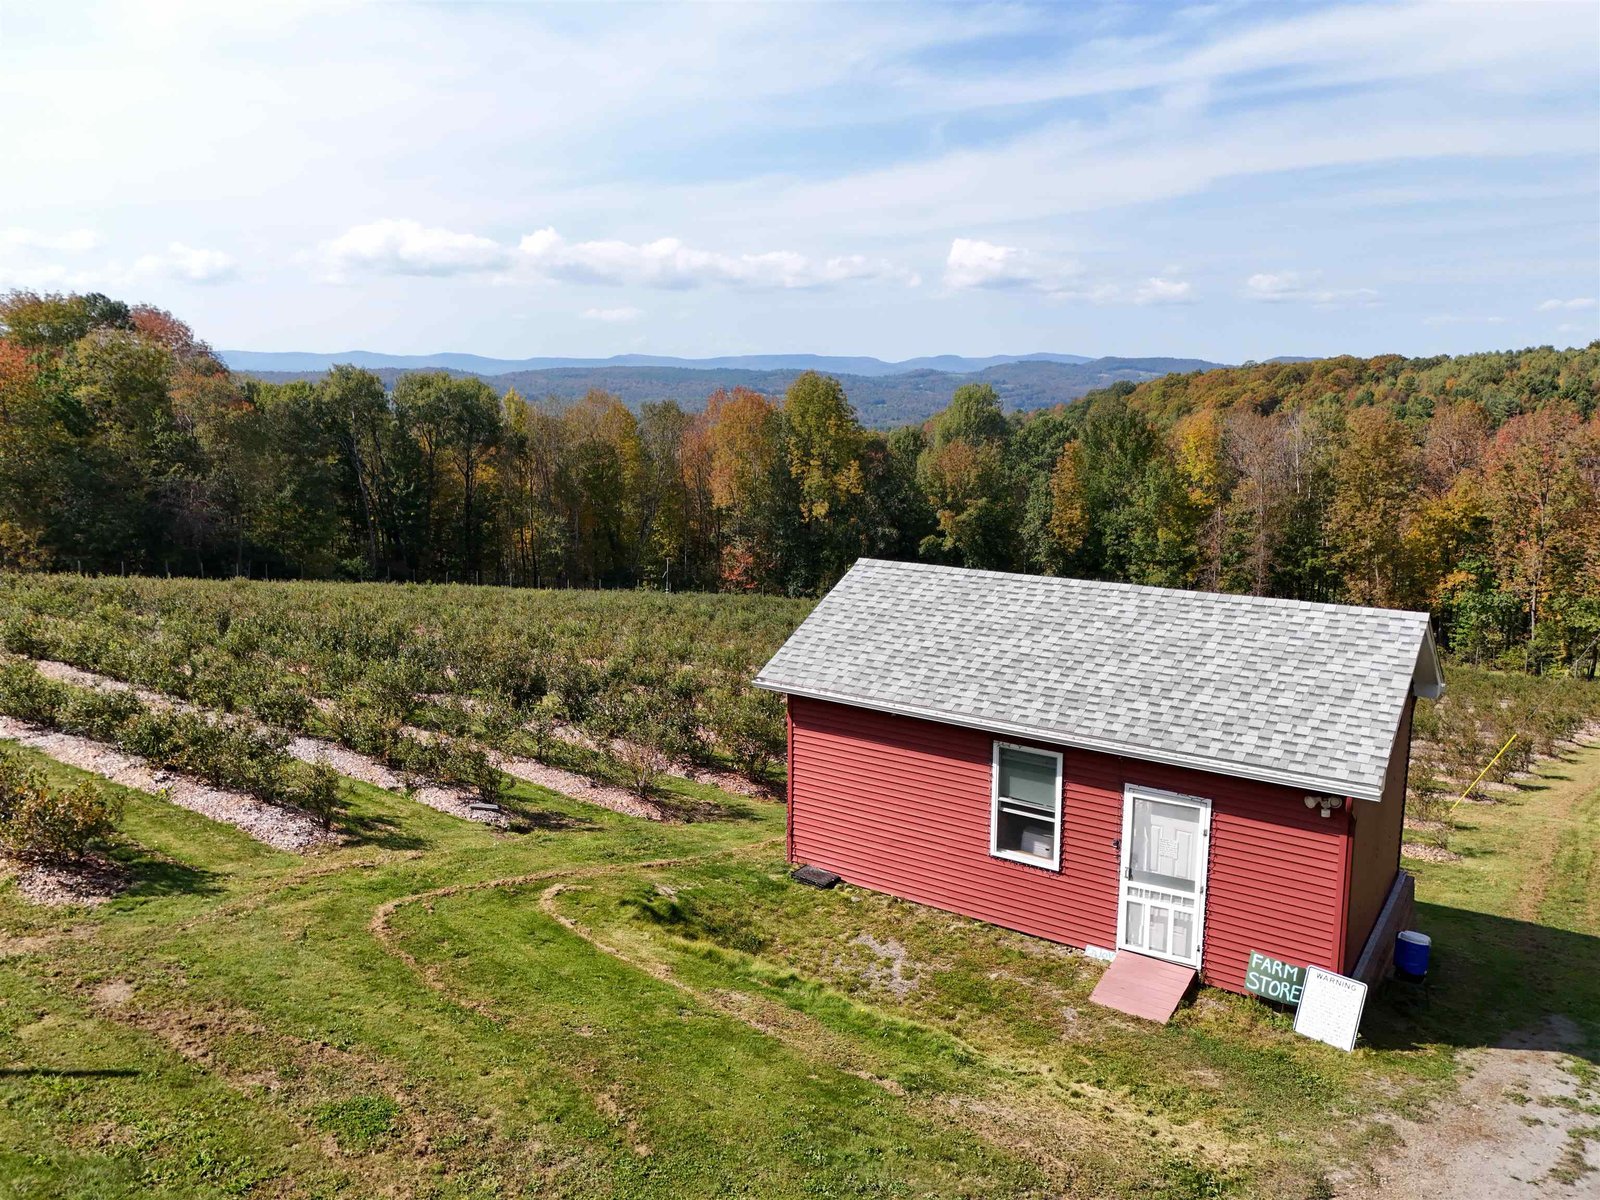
(901, 805)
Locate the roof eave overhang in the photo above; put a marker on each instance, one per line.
(1427, 679)
(1193, 762)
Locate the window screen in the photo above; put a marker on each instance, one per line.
(1027, 820)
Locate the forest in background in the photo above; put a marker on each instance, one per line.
(1466, 485)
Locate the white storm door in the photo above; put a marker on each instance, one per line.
(1162, 905)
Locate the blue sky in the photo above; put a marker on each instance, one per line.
(1228, 181)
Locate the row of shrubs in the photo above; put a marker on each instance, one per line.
(675, 670)
(232, 687)
(42, 823)
(1459, 736)
(226, 754)
(374, 725)
(641, 715)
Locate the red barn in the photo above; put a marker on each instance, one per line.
(1184, 776)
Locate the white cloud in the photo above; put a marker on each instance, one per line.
(405, 247)
(1284, 286)
(50, 277)
(1164, 291)
(972, 263)
(187, 264)
(1341, 45)
(26, 259)
(73, 241)
(26, 267)
(615, 316)
(670, 263)
(1575, 303)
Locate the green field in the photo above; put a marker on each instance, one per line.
(605, 1006)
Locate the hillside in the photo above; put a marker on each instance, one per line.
(295, 360)
(884, 401)
(1504, 383)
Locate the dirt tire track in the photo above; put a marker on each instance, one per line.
(604, 1100)
(381, 930)
(1047, 1143)
(1014, 1126)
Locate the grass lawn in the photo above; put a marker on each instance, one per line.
(606, 1007)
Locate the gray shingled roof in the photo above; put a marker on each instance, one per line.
(1307, 695)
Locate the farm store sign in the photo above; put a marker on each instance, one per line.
(1273, 979)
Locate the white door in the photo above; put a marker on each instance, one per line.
(1165, 844)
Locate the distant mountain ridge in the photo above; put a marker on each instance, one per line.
(883, 401)
(475, 364)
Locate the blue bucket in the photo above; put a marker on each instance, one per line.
(1411, 951)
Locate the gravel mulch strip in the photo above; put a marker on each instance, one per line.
(454, 801)
(576, 786)
(457, 804)
(1432, 854)
(1414, 825)
(729, 781)
(89, 882)
(281, 827)
(347, 762)
(62, 672)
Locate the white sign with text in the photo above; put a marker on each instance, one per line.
(1330, 1008)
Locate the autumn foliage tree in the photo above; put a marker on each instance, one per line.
(1468, 485)
(1376, 474)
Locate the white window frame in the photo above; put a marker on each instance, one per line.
(1131, 792)
(1053, 863)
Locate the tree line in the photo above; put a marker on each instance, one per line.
(1467, 485)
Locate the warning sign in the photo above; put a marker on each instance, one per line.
(1330, 1008)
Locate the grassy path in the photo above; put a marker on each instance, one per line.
(1547, 868)
(381, 925)
(1516, 923)
(1571, 895)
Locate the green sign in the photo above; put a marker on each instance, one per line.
(1273, 979)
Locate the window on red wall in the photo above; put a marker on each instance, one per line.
(1025, 818)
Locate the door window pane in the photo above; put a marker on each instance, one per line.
(1134, 933)
(1157, 940)
(1166, 845)
(1182, 935)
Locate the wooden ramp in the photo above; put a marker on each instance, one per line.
(1142, 986)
